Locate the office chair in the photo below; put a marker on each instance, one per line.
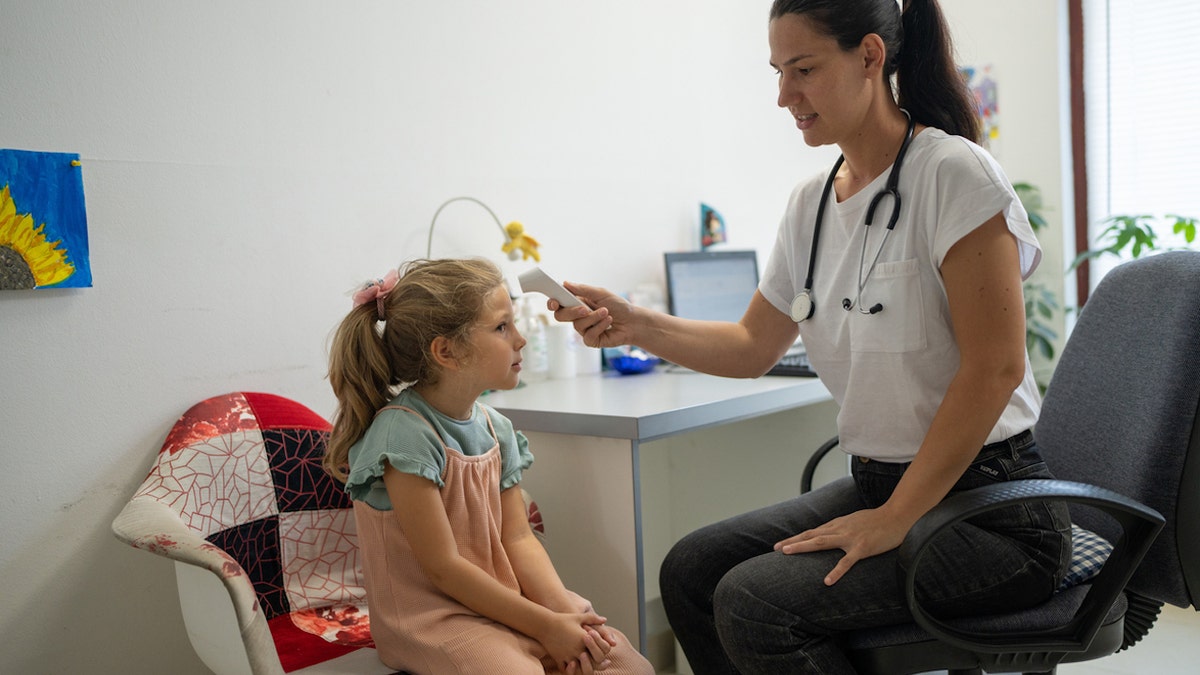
(1119, 430)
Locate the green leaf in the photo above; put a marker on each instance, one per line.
(1184, 226)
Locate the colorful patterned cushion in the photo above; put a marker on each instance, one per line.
(243, 471)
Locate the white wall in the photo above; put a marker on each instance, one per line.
(246, 164)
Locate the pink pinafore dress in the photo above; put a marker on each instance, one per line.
(418, 628)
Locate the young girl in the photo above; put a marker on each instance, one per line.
(455, 580)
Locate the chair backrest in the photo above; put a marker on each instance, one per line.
(243, 471)
(1121, 411)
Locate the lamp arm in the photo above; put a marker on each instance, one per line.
(433, 222)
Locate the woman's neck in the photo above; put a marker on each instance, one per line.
(871, 152)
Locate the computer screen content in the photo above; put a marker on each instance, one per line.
(711, 285)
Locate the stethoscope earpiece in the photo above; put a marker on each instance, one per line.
(848, 304)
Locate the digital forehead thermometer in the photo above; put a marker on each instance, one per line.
(535, 280)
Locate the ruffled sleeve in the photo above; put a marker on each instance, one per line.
(402, 439)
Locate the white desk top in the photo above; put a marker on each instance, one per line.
(650, 405)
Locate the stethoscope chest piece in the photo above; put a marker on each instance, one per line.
(802, 306)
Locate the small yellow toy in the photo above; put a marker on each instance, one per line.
(519, 242)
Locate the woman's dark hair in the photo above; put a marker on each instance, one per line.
(919, 51)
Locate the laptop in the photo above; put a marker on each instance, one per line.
(718, 286)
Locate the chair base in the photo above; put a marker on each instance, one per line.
(931, 655)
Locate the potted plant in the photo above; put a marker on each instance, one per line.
(1040, 301)
(1138, 234)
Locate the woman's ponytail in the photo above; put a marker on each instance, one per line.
(929, 84)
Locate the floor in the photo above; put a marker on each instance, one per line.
(1171, 648)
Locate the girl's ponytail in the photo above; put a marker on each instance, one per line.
(929, 84)
(362, 381)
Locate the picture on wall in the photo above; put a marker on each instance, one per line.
(43, 221)
(987, 106)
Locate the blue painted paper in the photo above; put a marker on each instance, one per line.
(43, 221)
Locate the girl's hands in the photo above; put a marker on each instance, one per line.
(861, 534)
(574, 644)
(584, 605)
(595, 659)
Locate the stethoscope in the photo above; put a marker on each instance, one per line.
(803, 305)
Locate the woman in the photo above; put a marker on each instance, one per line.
(907, 295)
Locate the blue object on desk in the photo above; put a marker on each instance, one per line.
(628, 364)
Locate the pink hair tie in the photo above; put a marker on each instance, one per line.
(377, 290)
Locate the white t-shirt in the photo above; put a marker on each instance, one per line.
(889, 371)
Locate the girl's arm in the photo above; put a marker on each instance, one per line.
(983, 283)
(417, 504)
(536, 574)
(747, 348)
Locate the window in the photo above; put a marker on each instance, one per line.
(1141, 96)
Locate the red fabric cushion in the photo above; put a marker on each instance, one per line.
(275, 412)
(298, 649)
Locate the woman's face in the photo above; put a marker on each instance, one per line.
(825, 88)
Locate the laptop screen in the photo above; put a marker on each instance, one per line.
(711, 285)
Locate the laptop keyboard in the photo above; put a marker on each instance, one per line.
(793, 364)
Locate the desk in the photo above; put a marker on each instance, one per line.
(625, 465)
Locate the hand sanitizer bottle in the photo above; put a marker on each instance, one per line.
(535, 355)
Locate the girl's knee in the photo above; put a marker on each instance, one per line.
(626, 660)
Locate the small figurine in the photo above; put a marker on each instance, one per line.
(712, 227)
(520, 243)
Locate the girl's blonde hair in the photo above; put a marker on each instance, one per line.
(372, 356)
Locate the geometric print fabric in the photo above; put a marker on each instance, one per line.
(215, 483)
(320, 558)
(244, 472)
(301, 483)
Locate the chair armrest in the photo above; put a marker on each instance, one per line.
(152, 526)
(1139, 523)
(810, 467)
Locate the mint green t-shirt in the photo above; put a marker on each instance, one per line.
(402, 439)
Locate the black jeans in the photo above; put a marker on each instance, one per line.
(737, 606)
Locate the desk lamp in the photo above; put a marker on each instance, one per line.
(517, 244)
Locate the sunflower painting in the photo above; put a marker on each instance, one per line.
(43, 223)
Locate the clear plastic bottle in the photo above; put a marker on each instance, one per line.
(535, 356)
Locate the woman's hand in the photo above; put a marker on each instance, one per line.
(603, 321)
(861, 534)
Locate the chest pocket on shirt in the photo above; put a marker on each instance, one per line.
(900, 326)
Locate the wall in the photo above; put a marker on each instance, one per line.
(1025, 43)
(247, 164)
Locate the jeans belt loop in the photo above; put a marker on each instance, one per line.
(1014, 443)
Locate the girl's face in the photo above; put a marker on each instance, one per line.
(496, 344)
(825, 88)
